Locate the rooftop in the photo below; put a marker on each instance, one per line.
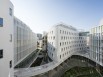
(66, 26)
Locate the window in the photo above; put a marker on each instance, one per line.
(52, 43)
(10, 63)
(64, 37)
(60, 44)
(102, 41)
(63, 55)
(53, 37)
(1, 22)
(52, 32)
(52, 54)
(10, 11)
(1, 53)
(80, 48)
(54, 49)
(60, 56)
(63, 32)
(64, 49)
(60, 31)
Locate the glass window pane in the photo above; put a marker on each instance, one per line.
(1, 53)
(10, 11)
(1, 22)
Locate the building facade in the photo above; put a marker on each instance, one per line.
(63, 41)
(25, 41)
(39, 36)
(84, 41)
(6, 39)
(44, 41)
(17, 40)
(96, 44)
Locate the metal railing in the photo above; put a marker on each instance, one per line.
(22, 72)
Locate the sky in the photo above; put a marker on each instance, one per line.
(41, 15)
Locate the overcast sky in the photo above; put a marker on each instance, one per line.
(40, 15)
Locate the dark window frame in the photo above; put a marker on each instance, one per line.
(10, 11)
(1, 53)
(1, 22)
(10, 63)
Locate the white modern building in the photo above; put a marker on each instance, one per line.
(25, 41)
(63, 41)
(44, 41)
(17, 40)
(39, 36)
(6, 39)
(96, 44)
(84, 40)
(39, 40)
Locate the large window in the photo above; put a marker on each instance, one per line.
(1, 22)
(53, 37)
(60, 56)
(1, 53)
(60, 44)
(10, 11)
(10, 63)
(60, 31)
